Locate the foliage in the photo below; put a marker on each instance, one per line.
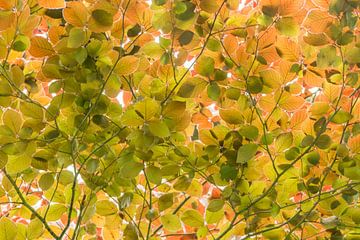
(179, 119)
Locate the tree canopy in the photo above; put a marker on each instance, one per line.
(179, 119)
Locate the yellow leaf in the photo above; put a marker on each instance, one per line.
(127, 65)
(76, 14)
(52, 3)
(8, 229)
(13, 120)
(331, 91)
(40, 47)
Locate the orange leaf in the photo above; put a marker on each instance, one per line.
(318, 21)
(287, 49)
(40, 47)
(291, 103)
(52, 3)
(354, 144)
(76, 14)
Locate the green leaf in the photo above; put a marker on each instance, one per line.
(192, 218)
(340, 117)
(228, 172)
(152, 49)
(166, 201)
(134, 31)
(213, 91)
(313, 157)
(213, 45)
(246, 152)
(323, 142)
(106, 208)
(307, 141)
(186, 37)
(205, 66)
(77, 37)
(8, 230)
(171, 222)
(353, 55)
(21, 43)
(287, 26)
(352, 173)
(292, 153)
(215, 205)
(355, 215)
(46, 181)
(159, 129)
(154, 174)
(131, 169)
(250, 132)
(102, 17)
(327, 57)
(254, 84)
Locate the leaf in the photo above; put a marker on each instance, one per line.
(340, 117)
(55, 212)
(77, 37)
(287, 26)
(291, 103)
(102, 17)
(154, 174)
(205, 66)
(254, 84)
(106, 208)
(209, 6)
(131, 169)
(213, 91)
(13, 120)
(76, 13)
(159, 129)
(250, 132)
(127, 65)
(21, 43)
(353, 55)
(283, 141)
(152, 49)
(323, 141)
(35, 229)
(8, 230)
(40, 47)
(46, 181)
(231, 116)
(316, 39)
(192, 218)
(246, 152)
(53, 4)
(171, 222)
(186, 37)
(327, 57)
(215, 205)
(287, 49)
(166, 201)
